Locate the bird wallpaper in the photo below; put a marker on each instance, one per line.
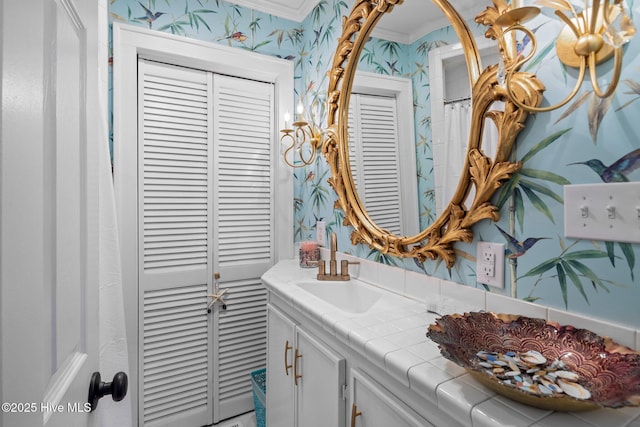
(590, 140)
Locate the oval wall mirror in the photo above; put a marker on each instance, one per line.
(480, 176)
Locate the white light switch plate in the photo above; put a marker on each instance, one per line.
(609, 212)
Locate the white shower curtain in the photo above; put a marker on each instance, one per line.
(113, 343)
(113, 353)
(457, 121)
(113, 340)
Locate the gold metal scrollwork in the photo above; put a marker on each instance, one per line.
(482, 173)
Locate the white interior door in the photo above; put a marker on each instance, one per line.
(49, 253)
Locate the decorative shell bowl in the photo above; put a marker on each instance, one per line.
(540, 363)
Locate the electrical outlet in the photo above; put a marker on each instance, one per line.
(487, 256)
(490, 264)
(321, 233)
(488, 269)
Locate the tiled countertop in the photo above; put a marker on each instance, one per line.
(392, 335)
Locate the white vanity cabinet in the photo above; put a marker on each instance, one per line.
(373, 406)
(305, 378)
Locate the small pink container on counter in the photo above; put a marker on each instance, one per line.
(309, 254)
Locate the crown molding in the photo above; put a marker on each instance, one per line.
(288, 9)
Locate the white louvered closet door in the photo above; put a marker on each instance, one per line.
(206, 205)
(175, 234)
(243, 235)
(378, 169)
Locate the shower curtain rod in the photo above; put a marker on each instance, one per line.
(453, 101)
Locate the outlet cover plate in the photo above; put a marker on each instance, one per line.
(490, 264)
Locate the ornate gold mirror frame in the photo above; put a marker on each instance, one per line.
(484, 173)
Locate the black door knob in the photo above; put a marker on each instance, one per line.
(116, 388)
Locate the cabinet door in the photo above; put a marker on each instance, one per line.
(320, 377)
(280, 348)
(373, 406)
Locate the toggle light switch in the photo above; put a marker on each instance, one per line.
(608, 212)
(584, 211)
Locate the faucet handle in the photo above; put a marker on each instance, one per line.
(321, 269)
(344, 268)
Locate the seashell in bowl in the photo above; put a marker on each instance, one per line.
(540, 363)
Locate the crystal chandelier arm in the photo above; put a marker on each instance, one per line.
(617, 68)
(594, 15)
(517, 65)
(302, 133)
(531, 109)
(293, 143)
(564, 18)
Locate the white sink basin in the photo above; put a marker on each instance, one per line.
(351, 296)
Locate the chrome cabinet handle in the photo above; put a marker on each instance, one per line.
(295, 367)
(354, 413)
(287, 347)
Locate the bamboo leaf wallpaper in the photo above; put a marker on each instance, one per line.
(588, 141)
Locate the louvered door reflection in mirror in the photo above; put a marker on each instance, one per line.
(373, 151)
(382, 151)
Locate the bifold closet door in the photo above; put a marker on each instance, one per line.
(244, 159)
(175, 205)
(206, 203)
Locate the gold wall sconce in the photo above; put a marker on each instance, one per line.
(590, 36)
(302, 137)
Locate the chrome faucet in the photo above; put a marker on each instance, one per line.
(333, 264)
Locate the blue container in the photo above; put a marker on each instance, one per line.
(259, 386)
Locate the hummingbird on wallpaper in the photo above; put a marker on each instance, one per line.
(618, 170)
(149, 16)
(515, 248)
